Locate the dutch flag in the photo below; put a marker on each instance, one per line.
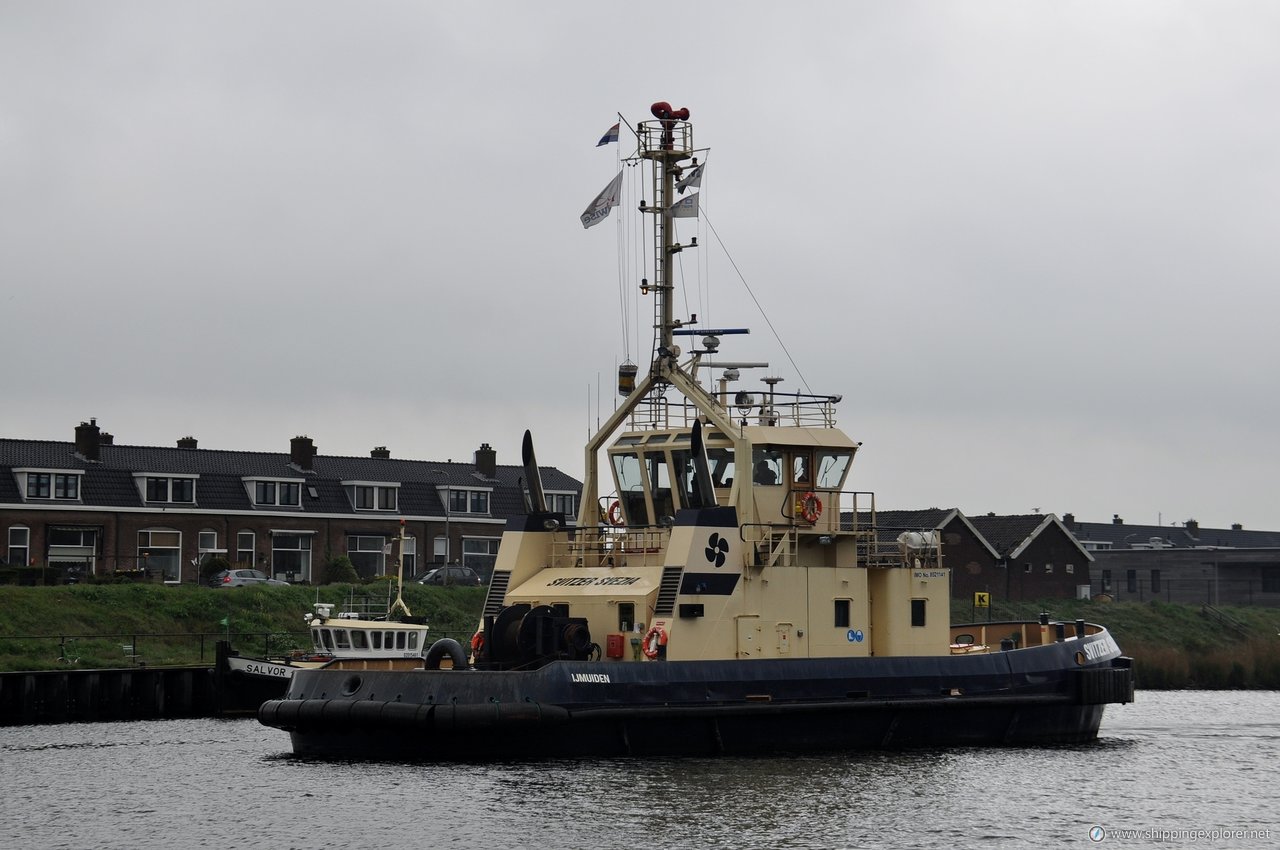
(610, 136)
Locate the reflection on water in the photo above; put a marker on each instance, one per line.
(1180, 760)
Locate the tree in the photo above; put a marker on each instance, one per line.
(340, 570)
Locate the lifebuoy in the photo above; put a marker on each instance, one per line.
(654, 640)
(615, 513)
(477, 642)
(809, 506)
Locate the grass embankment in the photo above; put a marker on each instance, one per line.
(1173, 646)
(180, 625)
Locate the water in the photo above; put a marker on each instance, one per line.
(1176, 762)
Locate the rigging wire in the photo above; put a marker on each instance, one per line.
(756, 301)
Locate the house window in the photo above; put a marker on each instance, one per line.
(1106, 581)
(66, 486)
(440, 551)
(564, 503)
(1131, 578)
(626, 616)
(1071, 569)
(207, 541)
(1155, 581)
(291, 556)
(409, 555)
(161, 550)
(479, 553)
(74, 548)
(469, 501)
(842, 614)
(1271, 580)
(38, 485)
(286, 494)
(171, 490)
(366, 553)
(371, 498)
(1048, 569)
(917, 612)
(1026, 568)
(245, 553)
(19, 546)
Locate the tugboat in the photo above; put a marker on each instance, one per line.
(352, 639)
(734, 596)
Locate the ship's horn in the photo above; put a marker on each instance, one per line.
(534, 499)
(704, 490)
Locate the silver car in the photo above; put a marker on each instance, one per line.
(240, 578)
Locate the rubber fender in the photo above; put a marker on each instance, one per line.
(441, 648)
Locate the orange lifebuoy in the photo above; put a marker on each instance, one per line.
(809, 506)
(654, 641)
(477, 642)
(615, 513)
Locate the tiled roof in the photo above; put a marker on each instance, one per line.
(109, 482)
(1006, 533)
(1124, 536)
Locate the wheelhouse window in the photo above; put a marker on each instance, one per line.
(917, 612)
(841, 614)
(766, 466)
(161, 550)
(19, 546)
(832, 467)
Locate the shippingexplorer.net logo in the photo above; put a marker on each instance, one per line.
(1098, 834)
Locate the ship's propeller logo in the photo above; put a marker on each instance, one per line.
(717, 548)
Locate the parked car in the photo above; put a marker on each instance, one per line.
(240, 578)
(452, 574)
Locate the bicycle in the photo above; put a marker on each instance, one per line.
(63, 658)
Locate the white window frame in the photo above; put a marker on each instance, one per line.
(303, 573)
(468, 497)
(25, 546)
(143, 481)
(252, 483)
(176, 564)
(382, 495)
(252, 550)
(25, 476)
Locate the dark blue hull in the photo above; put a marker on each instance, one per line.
(1039, 695)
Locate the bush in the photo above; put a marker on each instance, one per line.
(212, 567)
(340, 570)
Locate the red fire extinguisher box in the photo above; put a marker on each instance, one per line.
(613, 645)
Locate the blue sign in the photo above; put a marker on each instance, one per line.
(855, 635)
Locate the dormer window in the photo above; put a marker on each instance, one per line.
(468, 501)
(49, 484)
(273, 493)
(163, 488)
(372, 496)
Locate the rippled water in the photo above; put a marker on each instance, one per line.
(1174, 762)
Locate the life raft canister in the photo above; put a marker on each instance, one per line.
(809, 506)
(615, 513)
(654, 642)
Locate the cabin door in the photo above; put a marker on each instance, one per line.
(749, 637)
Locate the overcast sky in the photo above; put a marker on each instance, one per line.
(1033, 244)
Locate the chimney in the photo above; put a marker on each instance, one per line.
(486, 461)
(1115, 520)
(1193, 527)
(187, 442)
(88, 440)
(1235, 526)
(1068, 520)
(301, 452)
(105, 439)
(380, 452)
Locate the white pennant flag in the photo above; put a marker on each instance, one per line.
(599, 208)
(692, 180)
(685, 207)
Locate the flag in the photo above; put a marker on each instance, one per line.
(225, 621)
(692, 180)
(607, 198)
(685, 207)
(610, 136)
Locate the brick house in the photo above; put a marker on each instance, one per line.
(92, 507)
